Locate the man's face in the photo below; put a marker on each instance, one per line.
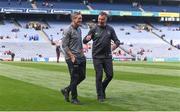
(77, 20)
(102, 19)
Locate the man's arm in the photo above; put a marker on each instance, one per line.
(89, 36)
(115, 39)
(65, 43)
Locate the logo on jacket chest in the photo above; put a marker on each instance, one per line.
(108, 32)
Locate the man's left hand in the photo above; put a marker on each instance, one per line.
(113, 47)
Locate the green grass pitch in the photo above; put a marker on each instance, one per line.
(138, 86)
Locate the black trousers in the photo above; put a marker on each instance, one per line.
(58, 53)
(77, 72)
(99, 66)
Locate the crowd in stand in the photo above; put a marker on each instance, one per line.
(47, 4)
(18, 2)
(36, 26)
(87, 48)
(15, 31)
(34, 38)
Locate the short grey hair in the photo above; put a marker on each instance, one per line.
(74, 14)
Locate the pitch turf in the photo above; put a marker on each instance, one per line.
(136, 86)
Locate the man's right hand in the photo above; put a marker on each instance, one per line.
(73, 58)
(88, 38)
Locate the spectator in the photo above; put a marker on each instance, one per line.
(12, 56)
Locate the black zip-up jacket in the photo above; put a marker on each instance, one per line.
(102, 37)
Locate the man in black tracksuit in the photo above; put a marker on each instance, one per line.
(102, 34)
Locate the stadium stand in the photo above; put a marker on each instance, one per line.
(135, 40)
(31, 37)
(157, 8)
(145, 44)
(12, 33)
(60, 5)
(25, 43)
(28, 50)
(107, 6)
(15, 4)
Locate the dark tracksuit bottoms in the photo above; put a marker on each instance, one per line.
(100, 65)
(77, 72)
